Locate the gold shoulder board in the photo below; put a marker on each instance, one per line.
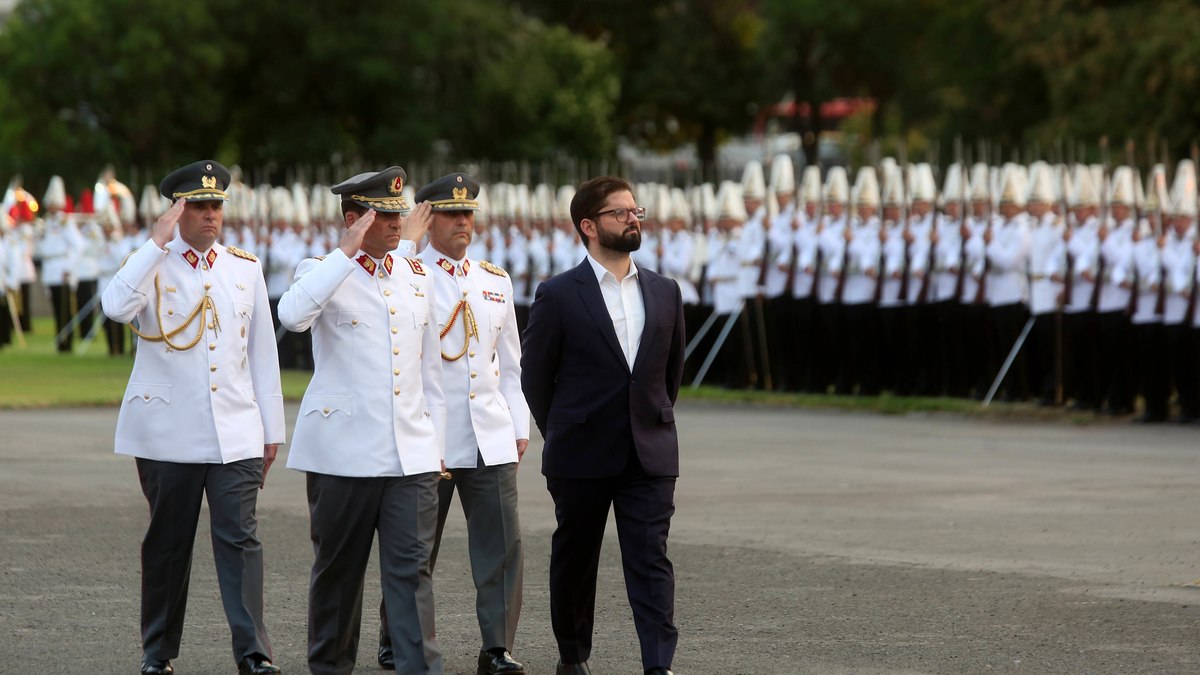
(242, 254)
(492, 268)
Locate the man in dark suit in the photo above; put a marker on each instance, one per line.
(601, 366)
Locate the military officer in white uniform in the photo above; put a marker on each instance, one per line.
(487, 419)
(203, 412)
(59, 246)
(371, 428)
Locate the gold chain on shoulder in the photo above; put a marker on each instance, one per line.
(202, 308)
(470, 328)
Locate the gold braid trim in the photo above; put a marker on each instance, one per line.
(205, 305)
(470, 328)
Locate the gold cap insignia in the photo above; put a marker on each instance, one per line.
(459, 193)
(208, 182)
(397, 185)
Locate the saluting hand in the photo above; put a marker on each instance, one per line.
(416, 224)
(352, 238)
(269, 452)
(164, 229)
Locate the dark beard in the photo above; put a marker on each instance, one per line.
(627, 242)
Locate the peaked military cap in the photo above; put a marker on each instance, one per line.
(455, 192)
(202, 181)
(382, 191)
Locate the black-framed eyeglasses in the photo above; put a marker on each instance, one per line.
(622, 214)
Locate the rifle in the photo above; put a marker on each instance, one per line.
(981, 289)
(1094, 301)
(1136, 286)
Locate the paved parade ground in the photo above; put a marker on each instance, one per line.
(803, 542)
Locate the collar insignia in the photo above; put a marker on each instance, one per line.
(387, 263)
(446, 265)
(191, 258)
(211, 257)
(367, 264)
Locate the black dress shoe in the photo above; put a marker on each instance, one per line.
(257, 665)
(156, 666)
(498, 660)
(387, 659)
(572, 669)
(659, 671)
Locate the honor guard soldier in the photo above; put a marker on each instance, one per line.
(860, 275)
(1116, 285)
(946, 285)
(893, 351)
(203, 412)
(1046, 251)
(832, 242)
(59, 247)
(1078, 274)
(801, 259)
(1006, 283)
(371, 426)
(487, 419)
(1179, 267)
(1150, 378)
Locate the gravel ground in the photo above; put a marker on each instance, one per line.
(804, 542)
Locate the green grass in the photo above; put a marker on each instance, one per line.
(36, 376)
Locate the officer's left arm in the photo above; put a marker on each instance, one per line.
(431, 375)
(508, 352)
(264, 364)
(674, 369)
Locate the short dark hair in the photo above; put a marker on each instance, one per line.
(590, 196)
(352, 207)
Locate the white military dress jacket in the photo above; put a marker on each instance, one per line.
(220, 399)
(374, 406)
(481, 375)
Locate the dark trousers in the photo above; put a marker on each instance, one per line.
(1080, 359)
(976, 340)
(922, 349)
(174, 491)
(1007, 323)
(862, 357)
(755, 333)
(950, 340)
(1115, 376)
(643, 506)
(345, 514)
(1182, 352)
(489, 501)
(694, 317)
(84, 292)
(1041, 350)
(780, 347)
(6, 323)
(890, 346)
(800, 341)
(829, 348)
(60, 300)
(114, 334)
(26, 307)
(1152, 379)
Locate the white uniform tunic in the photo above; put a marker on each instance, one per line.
(1084, 251)
(59, 248)
(833, 248)
(1117, 252)
(481, 376)
(1179, 262)
(1007, 254)
(750, 254)
(947, 259)
(220, 400)
(677, 262)
(374, 406)
(893, 266)
(1046, 255)
(1147, 261)
(862, 256)
(804, 238)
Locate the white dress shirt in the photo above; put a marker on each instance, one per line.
(625, 306)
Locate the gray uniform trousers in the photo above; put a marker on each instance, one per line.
(174, 491)
(489, 501)
(345, 514)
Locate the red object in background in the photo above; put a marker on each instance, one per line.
(833, 110)
(85, 202)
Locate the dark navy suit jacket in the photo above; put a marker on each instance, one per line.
(585, 399)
